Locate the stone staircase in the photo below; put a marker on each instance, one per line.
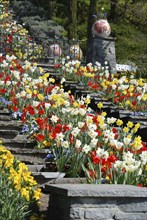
(24, 149)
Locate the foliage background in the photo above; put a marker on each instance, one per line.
(128, 19)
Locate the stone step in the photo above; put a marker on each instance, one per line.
(8, 134)
(43, 178)
(5, 117)
(4, 111)
(29, 159)
(20, 141)
(31, 151)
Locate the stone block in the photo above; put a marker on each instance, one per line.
(133, 204)
(99, 213)
(77, 213)
(93, 202)
(100, 191)
(131, 216)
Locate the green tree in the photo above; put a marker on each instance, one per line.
(128, 19)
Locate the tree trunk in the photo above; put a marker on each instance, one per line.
(113, 10)
(72, 25)
(91, 19)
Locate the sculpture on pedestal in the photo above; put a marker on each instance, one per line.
(101, 47)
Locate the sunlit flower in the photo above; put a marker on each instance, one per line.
(86, 148)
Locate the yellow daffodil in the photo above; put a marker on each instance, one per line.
(125, 129)
(76, 104)
(100, 105)
(40, 97)
(130, 124)
(46, 143)
(25, 193)
(119, 122)
(127, 102)
(104, 114)
(37, 194)
(137, 143)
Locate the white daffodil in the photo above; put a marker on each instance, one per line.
(86, 148)
(17, 74)
(111, 120)
(54, 118)
(75, 112)
(78, 143)
(35, 103)
(82, 111)
(92, 133)
(116, 143)
(29, 96)
(102, 153)
(93, 142)
(143, 157)
(18, 95)
(75, 131)
(23, 93)
(65, 144)
(47, 105)
(127, 141)
(81, 124)
(114, 86)
(92, 127)
(109, 134)
(60, 137)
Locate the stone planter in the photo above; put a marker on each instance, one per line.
(70, 85)
(56, 76)
(96, 202)
(106, 106)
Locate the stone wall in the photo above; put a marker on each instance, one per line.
(96, 202)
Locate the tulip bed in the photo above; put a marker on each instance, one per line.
(124, 89)
(77, 138)
(80, 141)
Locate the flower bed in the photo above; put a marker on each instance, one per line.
(77, 138)
(18, 188)
(81, 142)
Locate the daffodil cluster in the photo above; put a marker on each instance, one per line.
(19, 176)
(19, 189)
